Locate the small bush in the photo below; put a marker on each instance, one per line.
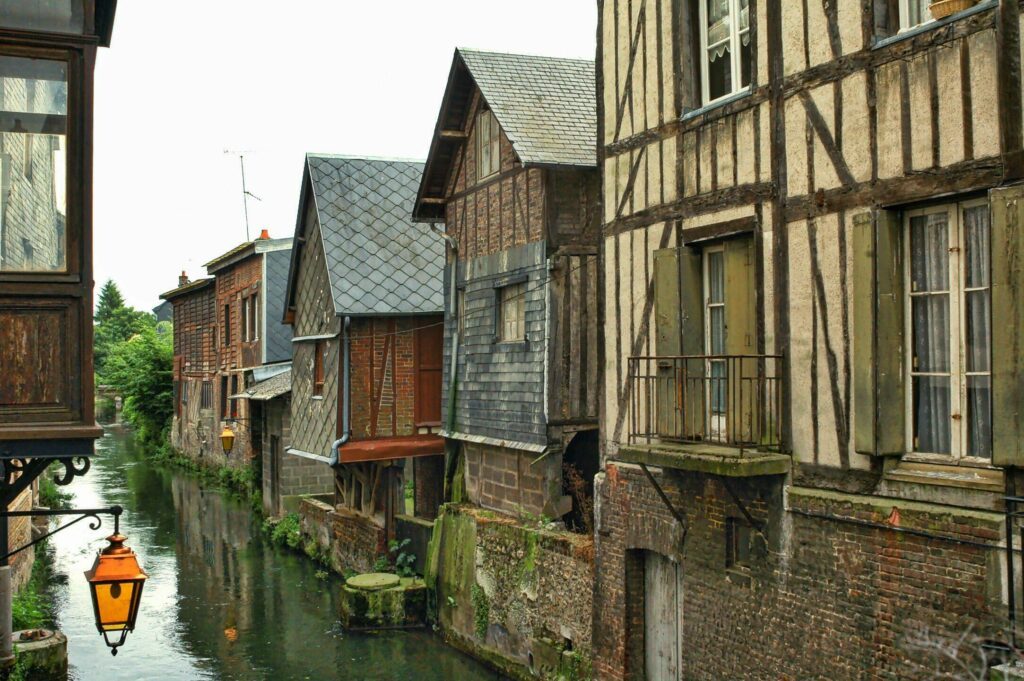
(285, 532)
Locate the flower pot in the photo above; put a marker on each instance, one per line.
(944, 8)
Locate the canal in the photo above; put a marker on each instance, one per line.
(219, 602)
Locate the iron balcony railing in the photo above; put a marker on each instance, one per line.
(730, 400)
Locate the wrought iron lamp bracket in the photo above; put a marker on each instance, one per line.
(18, 472)
(82, 514)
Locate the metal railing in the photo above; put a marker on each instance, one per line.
(730, 400)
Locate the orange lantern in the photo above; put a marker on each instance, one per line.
(116, 581)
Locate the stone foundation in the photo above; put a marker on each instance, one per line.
(350, 541)
(514, 595)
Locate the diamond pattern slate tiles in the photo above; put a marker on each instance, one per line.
(380, 261)
(279, 336)
(545, 105)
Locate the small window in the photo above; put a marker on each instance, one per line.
(224, 398)
(319, 355)
(234, 391)
(460, 298)
(227, 325)
(254, 317)
(737, 542)
(512, 313)
(245, 321)
(184, 393)
(206, 396)
(488, 149)
(914, 13)
(726, 57)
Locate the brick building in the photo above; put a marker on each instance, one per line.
(364, 300)
(194, 427)
(249, 283)
(810, 223)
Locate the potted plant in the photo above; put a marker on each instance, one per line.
(944, 8)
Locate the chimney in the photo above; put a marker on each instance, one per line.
(264, 235)
(182, 278)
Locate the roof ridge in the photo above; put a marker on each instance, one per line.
(472, 50)
(354, 157)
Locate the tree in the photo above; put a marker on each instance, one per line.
(110, 300)
(115, 323)
(141, 370)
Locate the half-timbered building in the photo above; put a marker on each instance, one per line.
(512, 175)
(812, 269)
(364, 300)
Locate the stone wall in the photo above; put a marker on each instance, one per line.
(816, 593)
(516, 595)
(507, 480)
(351, 541)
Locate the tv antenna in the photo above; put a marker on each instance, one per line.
(245, 191)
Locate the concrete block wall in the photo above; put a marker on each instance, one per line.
(507, 480)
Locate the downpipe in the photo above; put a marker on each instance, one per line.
(346, 387)
(453, 314)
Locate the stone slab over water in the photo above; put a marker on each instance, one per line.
(379, 600)
(220, 603)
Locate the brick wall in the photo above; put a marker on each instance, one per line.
(507, 480)
(352, 541)
(296, 475)
(195, 429)
(816, 597)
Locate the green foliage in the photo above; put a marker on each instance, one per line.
(481, 610)
(141, 370)
(284, 532)
(52, 496)
(115, 324)
(31, 608)
(405, 563)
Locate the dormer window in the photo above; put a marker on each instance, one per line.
(488, 152)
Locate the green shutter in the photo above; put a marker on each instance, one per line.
(740, 295)
(666, 302)
(878, 349)
(1008, 326)
(691, 299)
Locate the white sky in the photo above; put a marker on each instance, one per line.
(185, 80)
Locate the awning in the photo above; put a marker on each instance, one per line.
(391, 448)
(267, 390)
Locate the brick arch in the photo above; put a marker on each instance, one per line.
(648, 532)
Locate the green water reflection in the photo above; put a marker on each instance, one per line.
(219, 604)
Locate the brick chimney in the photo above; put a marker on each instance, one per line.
(264, 235)
(182, 278)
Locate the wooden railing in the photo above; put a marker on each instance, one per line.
(730, 400)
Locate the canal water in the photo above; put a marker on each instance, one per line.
(219, 602)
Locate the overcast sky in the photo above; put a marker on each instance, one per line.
(184, 81)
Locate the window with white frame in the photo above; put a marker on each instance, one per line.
(726, 57)
(914, 13)
(488, 152)
(949, 328)
(512, 313)
(714, 334)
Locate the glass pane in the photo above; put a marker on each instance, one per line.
(716, 330)
(744, 15)
(718, 20)
(929, 252)
(979, 330)
(976, 246)
(979, 416)
(718, 386)
(33, 149)
(930, 333)
(931, 414)
(716, 277)
(719, 71)
(59, 16)
(746, 60)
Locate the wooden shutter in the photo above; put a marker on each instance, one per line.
(1008, 326)
(740, 297)
(878, 334)
(429, 356)
(666, 302)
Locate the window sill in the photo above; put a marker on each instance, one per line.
(717, 104)
(933, 25)
(318, 398)
(510, 346)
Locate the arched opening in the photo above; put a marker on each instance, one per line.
(580, 463)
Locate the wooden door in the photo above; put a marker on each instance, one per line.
(663, 618)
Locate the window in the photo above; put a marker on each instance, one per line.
(488, 150)
(949, 331)
(429, 352)
(726, 57)
(33, 170)
(184, 392)
(234, 391)
(250, 318)
(244, 325)
(206, 396)
(737, 542)
(714, 334)
(460, 298)
(319, 355)
(227, 325)
(512, 313)
(914, 13)
(224, 397)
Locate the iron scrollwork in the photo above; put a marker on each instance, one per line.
(74, 466)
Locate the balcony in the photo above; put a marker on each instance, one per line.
(717, 414)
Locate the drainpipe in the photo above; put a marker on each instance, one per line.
(346, 388)
(454, 357)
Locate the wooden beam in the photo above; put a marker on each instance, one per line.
(454, 134)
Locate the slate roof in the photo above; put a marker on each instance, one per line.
(379, 261)
(546, 105)
(275, 386)
(279, 336)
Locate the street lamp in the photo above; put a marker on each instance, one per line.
(227, 439)
(116, 581)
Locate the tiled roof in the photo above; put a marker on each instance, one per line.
(274, 386)
(380, 262)
(545, 105)
(279, 336)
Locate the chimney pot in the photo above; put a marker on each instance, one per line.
(182, 278)
(264, 235)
